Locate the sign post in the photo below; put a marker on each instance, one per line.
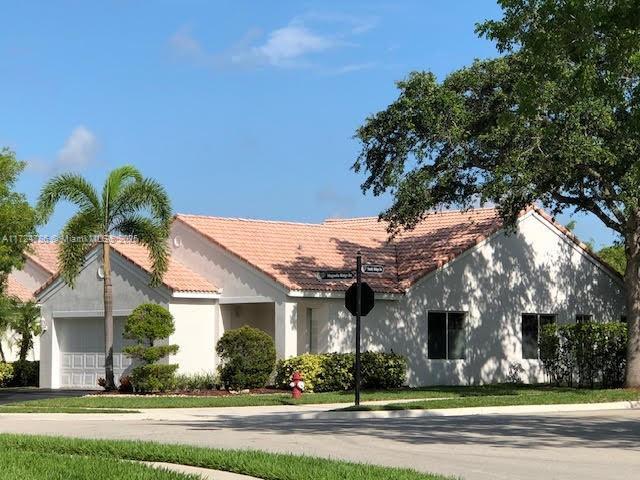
(358, 313)
(359, 300)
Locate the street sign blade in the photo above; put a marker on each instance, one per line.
(336, 274)
(373, 269)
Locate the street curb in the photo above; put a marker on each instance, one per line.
(459, 412)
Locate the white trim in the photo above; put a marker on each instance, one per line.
(248, 299)
(88, 313)
(340, 294)
(195, 295)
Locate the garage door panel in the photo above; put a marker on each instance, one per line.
(81, 343)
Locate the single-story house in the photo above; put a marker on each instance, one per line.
(461, 297)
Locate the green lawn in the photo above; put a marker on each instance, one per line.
(50, 466)
(66, 458)
(540, 396)
(425, 398)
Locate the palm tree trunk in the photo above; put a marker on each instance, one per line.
(2, 357)
(632, 287)
(108, 316)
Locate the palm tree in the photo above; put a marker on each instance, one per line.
(130, 205)
(25, 324)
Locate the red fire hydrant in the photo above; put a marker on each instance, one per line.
(297, 385)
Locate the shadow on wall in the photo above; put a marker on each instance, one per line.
(494, 285)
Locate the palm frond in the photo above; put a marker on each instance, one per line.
(145, 195)
(154, 237)
(117, 180)
(79, 235)
(68, 186)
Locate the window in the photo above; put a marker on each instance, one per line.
(446, 335)
(531, 325)
(583, 318)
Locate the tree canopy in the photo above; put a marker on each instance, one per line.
(17, 218)
(554, 119)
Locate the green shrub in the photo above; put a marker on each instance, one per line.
(335, 371)
(248, 357)
(147, 324)
(25, 374)
(197, 381)
(6, 373)
(383, 370)
(308, 364)
(586, 353)
(153, 377)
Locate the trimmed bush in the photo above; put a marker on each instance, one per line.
(147, 324)
(25, 374)
(383, 370)
(248, 357)
(585, 353)
(335, 371)
(308, 364)
(6, 373)
(153, 377)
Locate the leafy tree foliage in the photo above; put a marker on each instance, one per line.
(614, 255)
(129, 205)
(554, 120)
(17, 218)
(147, 324)
(26, 324)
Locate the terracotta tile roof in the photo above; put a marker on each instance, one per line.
(178, 277)
(293, 253)
(44, 254)
(18, 290)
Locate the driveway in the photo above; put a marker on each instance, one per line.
(585, 445)
(10, 395)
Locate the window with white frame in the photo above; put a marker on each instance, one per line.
(446, 339)
(532, 323)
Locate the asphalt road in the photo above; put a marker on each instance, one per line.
(580, 445)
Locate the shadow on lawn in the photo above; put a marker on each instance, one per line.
(559, 431)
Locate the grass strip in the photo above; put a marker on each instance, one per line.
(49, 466)
(535, 398)
(264, 465)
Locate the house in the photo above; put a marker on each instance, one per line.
(461, 297)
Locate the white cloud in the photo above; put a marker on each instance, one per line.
(295, 45)
(78, 152)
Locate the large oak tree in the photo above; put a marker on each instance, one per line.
(554, 119)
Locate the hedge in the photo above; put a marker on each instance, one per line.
(25, 374)
(329, 372)
(6, 373)
(585, 353)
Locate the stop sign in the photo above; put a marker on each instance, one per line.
(366, 301)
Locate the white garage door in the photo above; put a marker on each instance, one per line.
(81, 343)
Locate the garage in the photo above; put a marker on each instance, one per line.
(81, 342)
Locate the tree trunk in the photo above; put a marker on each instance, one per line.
(2, 357)
(108, 316)
(632, 287)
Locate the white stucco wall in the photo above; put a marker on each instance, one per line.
(195, 322)
(535, 270)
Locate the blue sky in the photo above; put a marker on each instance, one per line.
(239, 108)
